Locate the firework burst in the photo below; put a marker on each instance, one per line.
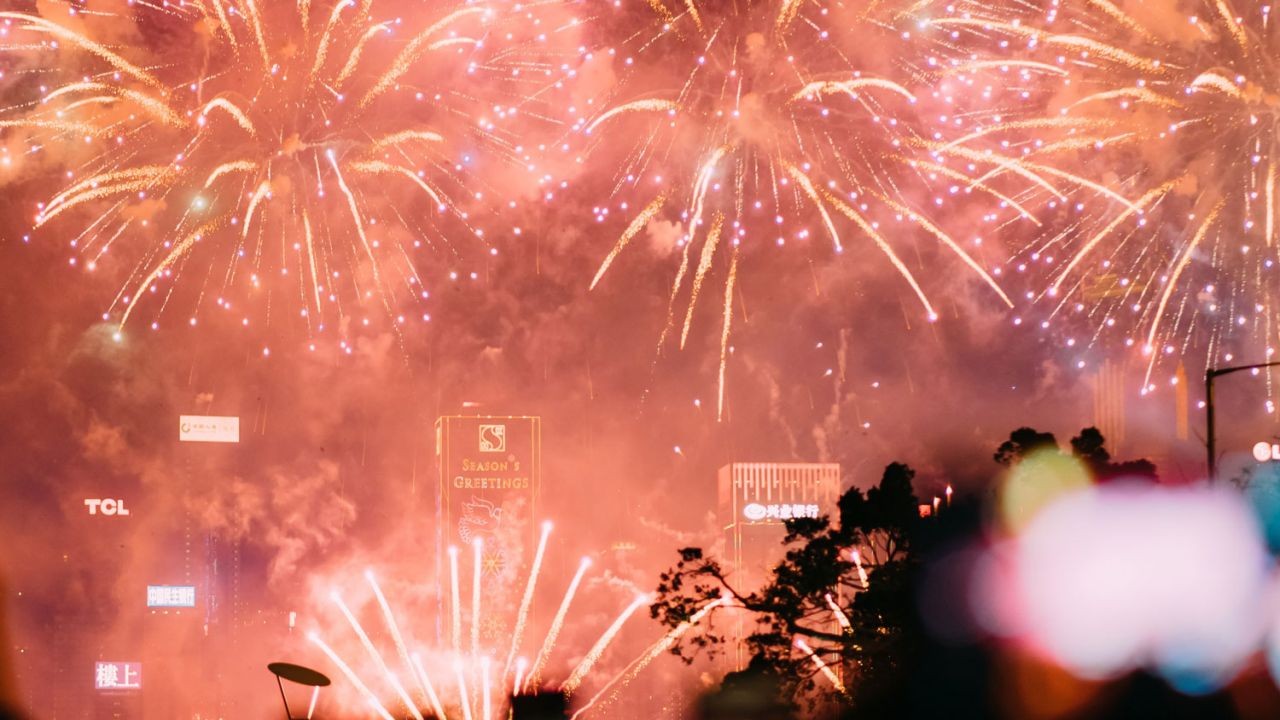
(746, 122)
(394, 674)
(1149, 131)
(240, 155)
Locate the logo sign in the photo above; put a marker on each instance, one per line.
(493, 438)
(208, 428)
(105, 506)
(1265, 451)
(488, 467)
(171, 596)
(758, 512)
(117, 676)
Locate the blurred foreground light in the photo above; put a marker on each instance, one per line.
(1035, 482)
(1263, 492)
(1116, 578)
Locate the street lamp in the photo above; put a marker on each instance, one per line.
(1209, 376)
(296, 674)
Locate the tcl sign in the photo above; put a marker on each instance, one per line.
(1265, 451)
(105, 506)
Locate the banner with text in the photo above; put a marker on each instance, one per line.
(208, 428)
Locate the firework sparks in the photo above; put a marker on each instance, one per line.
(368, 694)
(396, 637)
(594, 654)
(1150, 132)
(841, 618)
(486, 689)
(455, 614)
(522, 615)
(206, 149)
(751, 120)
(856, 556)
(469, 692)
(521, 666)
(477, 565)
(819, 663)
(662, 645)
(553, 633)
(428, 688)
(464, 697)
(724, 334)
(375, 655)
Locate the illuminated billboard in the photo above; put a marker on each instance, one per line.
(209, 429)
(490, 468)
(117, 676)
(756, 500)
(171, 596)
(770, 493)
(766, 512)
(106, 506)
(490, 473)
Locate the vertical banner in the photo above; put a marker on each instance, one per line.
(490, 475)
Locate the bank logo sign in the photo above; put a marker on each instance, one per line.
(493, 438)
(208, 428)
(117, 676)
(171, 596)
(757, 512)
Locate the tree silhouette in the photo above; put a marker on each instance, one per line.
(880, 648)
(1089, 447)
(1021, 443)
(791, 616)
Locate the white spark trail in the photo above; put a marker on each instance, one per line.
(549, 642)
(593, 656)
(522, 615)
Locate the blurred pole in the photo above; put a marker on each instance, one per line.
(1209, 443)
(1210, 375)
(8, 685)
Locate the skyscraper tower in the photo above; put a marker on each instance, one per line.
(1109, 405)
(1181, 415)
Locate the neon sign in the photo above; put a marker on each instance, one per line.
(171, 596)
(105, 506)
(209, 428)
(760, 512)
(1265, 451)
(117, 676)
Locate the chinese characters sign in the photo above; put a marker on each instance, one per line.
(171, 596)
(117, 676)
(758, 512)
(208, 428)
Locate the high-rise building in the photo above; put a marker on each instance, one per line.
(1181, 405)
(754, 501)
(1109, 405)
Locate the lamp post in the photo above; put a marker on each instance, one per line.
(298, 675)
(1210, 375)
